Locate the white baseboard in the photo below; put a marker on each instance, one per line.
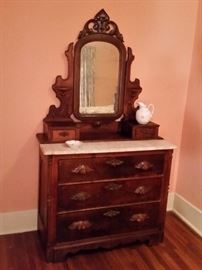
(170, 202)
(189, 213)
(17, 222)
(24, 221)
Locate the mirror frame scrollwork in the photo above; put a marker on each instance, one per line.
(100, 28)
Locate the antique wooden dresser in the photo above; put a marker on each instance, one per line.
(111, 190)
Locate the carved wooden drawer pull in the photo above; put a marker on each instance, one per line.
(141, 217)
(144, 165)
(81, 196)
(80, 225)
(115, 162)
(141, 190)
(63, 133)
(82, 169)
(113, 187)
(111, 213)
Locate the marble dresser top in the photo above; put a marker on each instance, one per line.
(106, 147)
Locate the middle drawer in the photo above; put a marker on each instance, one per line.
(103, 193)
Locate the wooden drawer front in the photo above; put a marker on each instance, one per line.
(81, 196)
(110, 167)
(63, 134)
(88, 224)
(144, 132)
(75, 169)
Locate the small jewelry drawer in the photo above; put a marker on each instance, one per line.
(106, 221)
(110, 167)
(82, 196)
(61, 133)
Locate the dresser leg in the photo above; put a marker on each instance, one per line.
(156, 239)
(50, 255)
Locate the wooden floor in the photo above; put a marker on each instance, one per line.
(181, 250)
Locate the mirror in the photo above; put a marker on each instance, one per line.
(99, 78)
(99, 71)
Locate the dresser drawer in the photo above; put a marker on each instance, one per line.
(63, 134)
(110, 167)
(81, 196)
(107, 221)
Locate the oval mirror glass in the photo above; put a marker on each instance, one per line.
(99, 78)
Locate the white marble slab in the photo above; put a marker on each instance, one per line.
(106, 147)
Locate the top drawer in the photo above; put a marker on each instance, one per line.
(110, 166)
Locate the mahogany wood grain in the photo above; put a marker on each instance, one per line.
(180, 250)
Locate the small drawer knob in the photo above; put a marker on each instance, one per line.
(63, 133)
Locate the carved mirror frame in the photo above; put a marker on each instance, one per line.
(87, 39)
(100, 28)
(65, 122)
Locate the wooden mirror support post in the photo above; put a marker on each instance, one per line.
(112, 190)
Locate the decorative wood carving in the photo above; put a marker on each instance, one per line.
(80, 225)
(82, 169)
(64, 92)
(111, 213)
(141, 190)
(115, 162)
(81, 196)
(140, 218)
(144, 165)
(132, 89)
(113, 187)
(101, 24)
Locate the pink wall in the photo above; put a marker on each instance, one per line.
(35, 36)
(189, 180)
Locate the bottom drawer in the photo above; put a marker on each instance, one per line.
(106, 221)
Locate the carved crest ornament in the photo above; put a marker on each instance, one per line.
(101, 24)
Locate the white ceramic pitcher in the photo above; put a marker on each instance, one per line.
(144, 113)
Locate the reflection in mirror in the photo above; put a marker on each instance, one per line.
(99, 73)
